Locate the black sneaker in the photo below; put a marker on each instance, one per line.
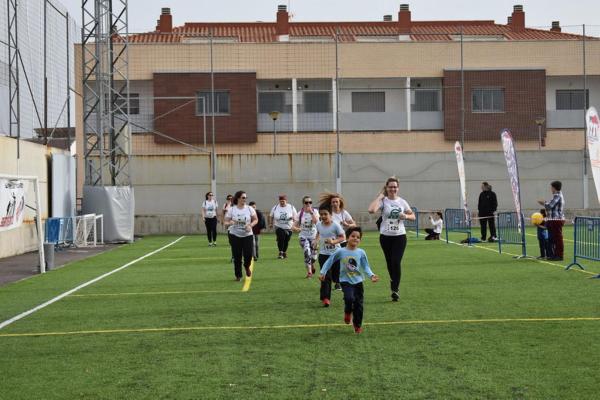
(338, 286)
(395, 296)
(280, 256)
(284, 255)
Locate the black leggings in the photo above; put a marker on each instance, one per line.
(241, 247)
(283, 239)
(211, 229)
(393, 249)
(484, 222)
(326, 283)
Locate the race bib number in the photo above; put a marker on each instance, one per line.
(330, 247)
(307, 226)
(240, 223)
(393, 225)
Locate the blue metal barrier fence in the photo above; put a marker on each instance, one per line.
(413, 224)
(586, 238)
(457, 220)
(511, 230)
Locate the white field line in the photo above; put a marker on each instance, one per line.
(90, 282)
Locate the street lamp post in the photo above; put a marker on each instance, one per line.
(274, 115)
(539, 122)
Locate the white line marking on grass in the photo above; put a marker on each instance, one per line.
(151, 293)
(67, 293)
(299, 326)
(517, 255)
(535, 236)
(248, 279)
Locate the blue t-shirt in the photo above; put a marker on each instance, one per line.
(353, 264)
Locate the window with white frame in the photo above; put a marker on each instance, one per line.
(426, 100)
(368, 102)
(221, 102)
(121, 104)
(572, 99)
(317, 102)
(488, 100)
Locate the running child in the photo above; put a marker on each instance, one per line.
(353, 265)
(329, 235)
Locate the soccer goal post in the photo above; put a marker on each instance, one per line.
(14, 194)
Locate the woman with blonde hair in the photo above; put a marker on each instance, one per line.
(392, 234)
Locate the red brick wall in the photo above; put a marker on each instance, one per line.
(524, 102)
(180, 120)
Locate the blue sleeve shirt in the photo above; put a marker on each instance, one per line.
(353, 265)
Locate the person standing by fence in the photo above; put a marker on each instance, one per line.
(394, 211)
(556, 219)
(282, 217)
(241, 218)
(486, 207)
(209, 214)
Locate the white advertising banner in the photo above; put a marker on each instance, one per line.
(513, 168)
(460, 162)
(592, 122)
(12, 203)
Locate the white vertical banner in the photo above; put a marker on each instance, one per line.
(592, 122)
(12, 203)
(460, 162)
(513, 168)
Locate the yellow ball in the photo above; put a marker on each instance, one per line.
(537, 218)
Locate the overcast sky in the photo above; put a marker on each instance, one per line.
(144, 13)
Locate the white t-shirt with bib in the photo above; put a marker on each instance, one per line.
(340, 217)
(391, 224)
(241, 218)
(308, 229)
(283, 217)
(210, 208)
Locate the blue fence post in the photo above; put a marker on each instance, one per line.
(511, 230)
(586, 238)
(457, 220)
(413, 224)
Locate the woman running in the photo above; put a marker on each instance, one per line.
(226, 207)
(282, 216)
(209, 214)
(394, 210)
(307, 226)
(240, 219)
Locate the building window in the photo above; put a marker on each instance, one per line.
(271, 101)
(221, 102)
(317, 102)
(121, 104)
(488, 100)
(368, 102)
(426, 100)
(572, 99)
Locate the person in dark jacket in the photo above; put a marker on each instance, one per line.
(487, 206)
(262, 224)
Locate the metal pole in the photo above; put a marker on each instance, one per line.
(585, 149)
(68, 85)
(338, 172)
(274, 138)
(213, 182)
(462, 93)
(45, 73)
(204, 118)
(540, 137)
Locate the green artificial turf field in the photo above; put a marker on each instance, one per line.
(470, 324)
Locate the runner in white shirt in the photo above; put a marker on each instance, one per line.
(209, 214)
(343, 218)
(306, 225)
(394, 210)
(240, 219)
(282, 216)
(226, 207)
